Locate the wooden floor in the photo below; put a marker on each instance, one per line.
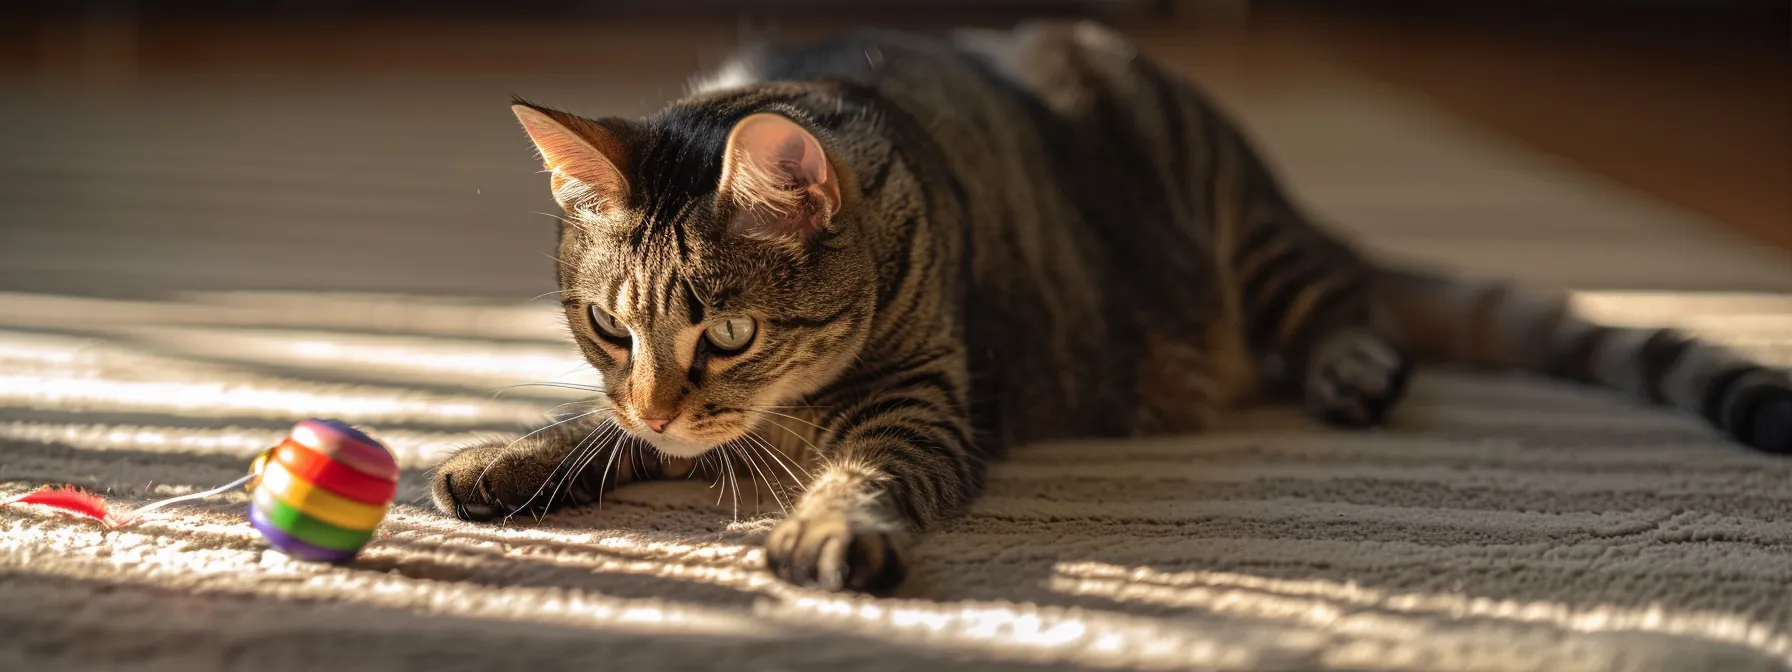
(1705, 123)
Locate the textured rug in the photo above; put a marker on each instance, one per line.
(1505, 524)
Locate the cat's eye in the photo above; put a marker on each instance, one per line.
(730, 334)
(605, 324)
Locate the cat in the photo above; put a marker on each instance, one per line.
(886, 258)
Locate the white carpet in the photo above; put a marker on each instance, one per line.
(1506, 524)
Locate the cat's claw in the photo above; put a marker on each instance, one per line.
(826, 552)
(1355, 377)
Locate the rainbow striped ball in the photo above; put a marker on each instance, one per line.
(322, 491)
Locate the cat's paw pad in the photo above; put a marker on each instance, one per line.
(827, 552)
(486, 481)
(1355, 378)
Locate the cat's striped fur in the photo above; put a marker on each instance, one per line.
(1037, 234)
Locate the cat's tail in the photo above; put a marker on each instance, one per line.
(1502, 326)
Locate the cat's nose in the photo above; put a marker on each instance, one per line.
(657, 413)
(658, 425)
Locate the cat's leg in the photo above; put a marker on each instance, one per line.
(897, 456)
(566, 464)
(1308, 308)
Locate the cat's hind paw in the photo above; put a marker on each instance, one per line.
(1355, 377)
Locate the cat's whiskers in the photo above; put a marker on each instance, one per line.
(771, 480)
(783, 461)
(617, 441)
(512, 444)
(558, 260)
(748, 456)
(722, 477)
(563, 220)
(557, 407)
(561, 385)
(537, 296)
(735, 480)
(712, 484)
(788, 430)
(605, 479)
(727, 478)
(578, 450)
(762, 409)
(557, 476)
(602, 443)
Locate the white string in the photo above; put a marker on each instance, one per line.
(152, 506)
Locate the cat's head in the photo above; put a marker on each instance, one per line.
(708, 265)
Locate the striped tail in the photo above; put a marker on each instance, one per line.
(1501, 326)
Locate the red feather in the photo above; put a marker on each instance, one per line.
(68, 499)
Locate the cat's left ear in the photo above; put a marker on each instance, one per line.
(778, 179)
(583, 156)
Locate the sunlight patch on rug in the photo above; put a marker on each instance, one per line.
(1350, 607)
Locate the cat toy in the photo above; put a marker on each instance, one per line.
(316, 496)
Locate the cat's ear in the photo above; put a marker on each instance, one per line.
(778, 179)
(583, 156)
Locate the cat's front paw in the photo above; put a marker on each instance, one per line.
(489, 480)
(1355, 377)
(827, 551)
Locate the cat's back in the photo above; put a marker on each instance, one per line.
(1052, 134)
(1049, 62)
(926, 74)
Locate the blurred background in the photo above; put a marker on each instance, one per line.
(365, 145)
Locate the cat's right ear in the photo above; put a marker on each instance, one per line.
(583, 157)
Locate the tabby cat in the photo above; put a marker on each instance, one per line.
(885, 258)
